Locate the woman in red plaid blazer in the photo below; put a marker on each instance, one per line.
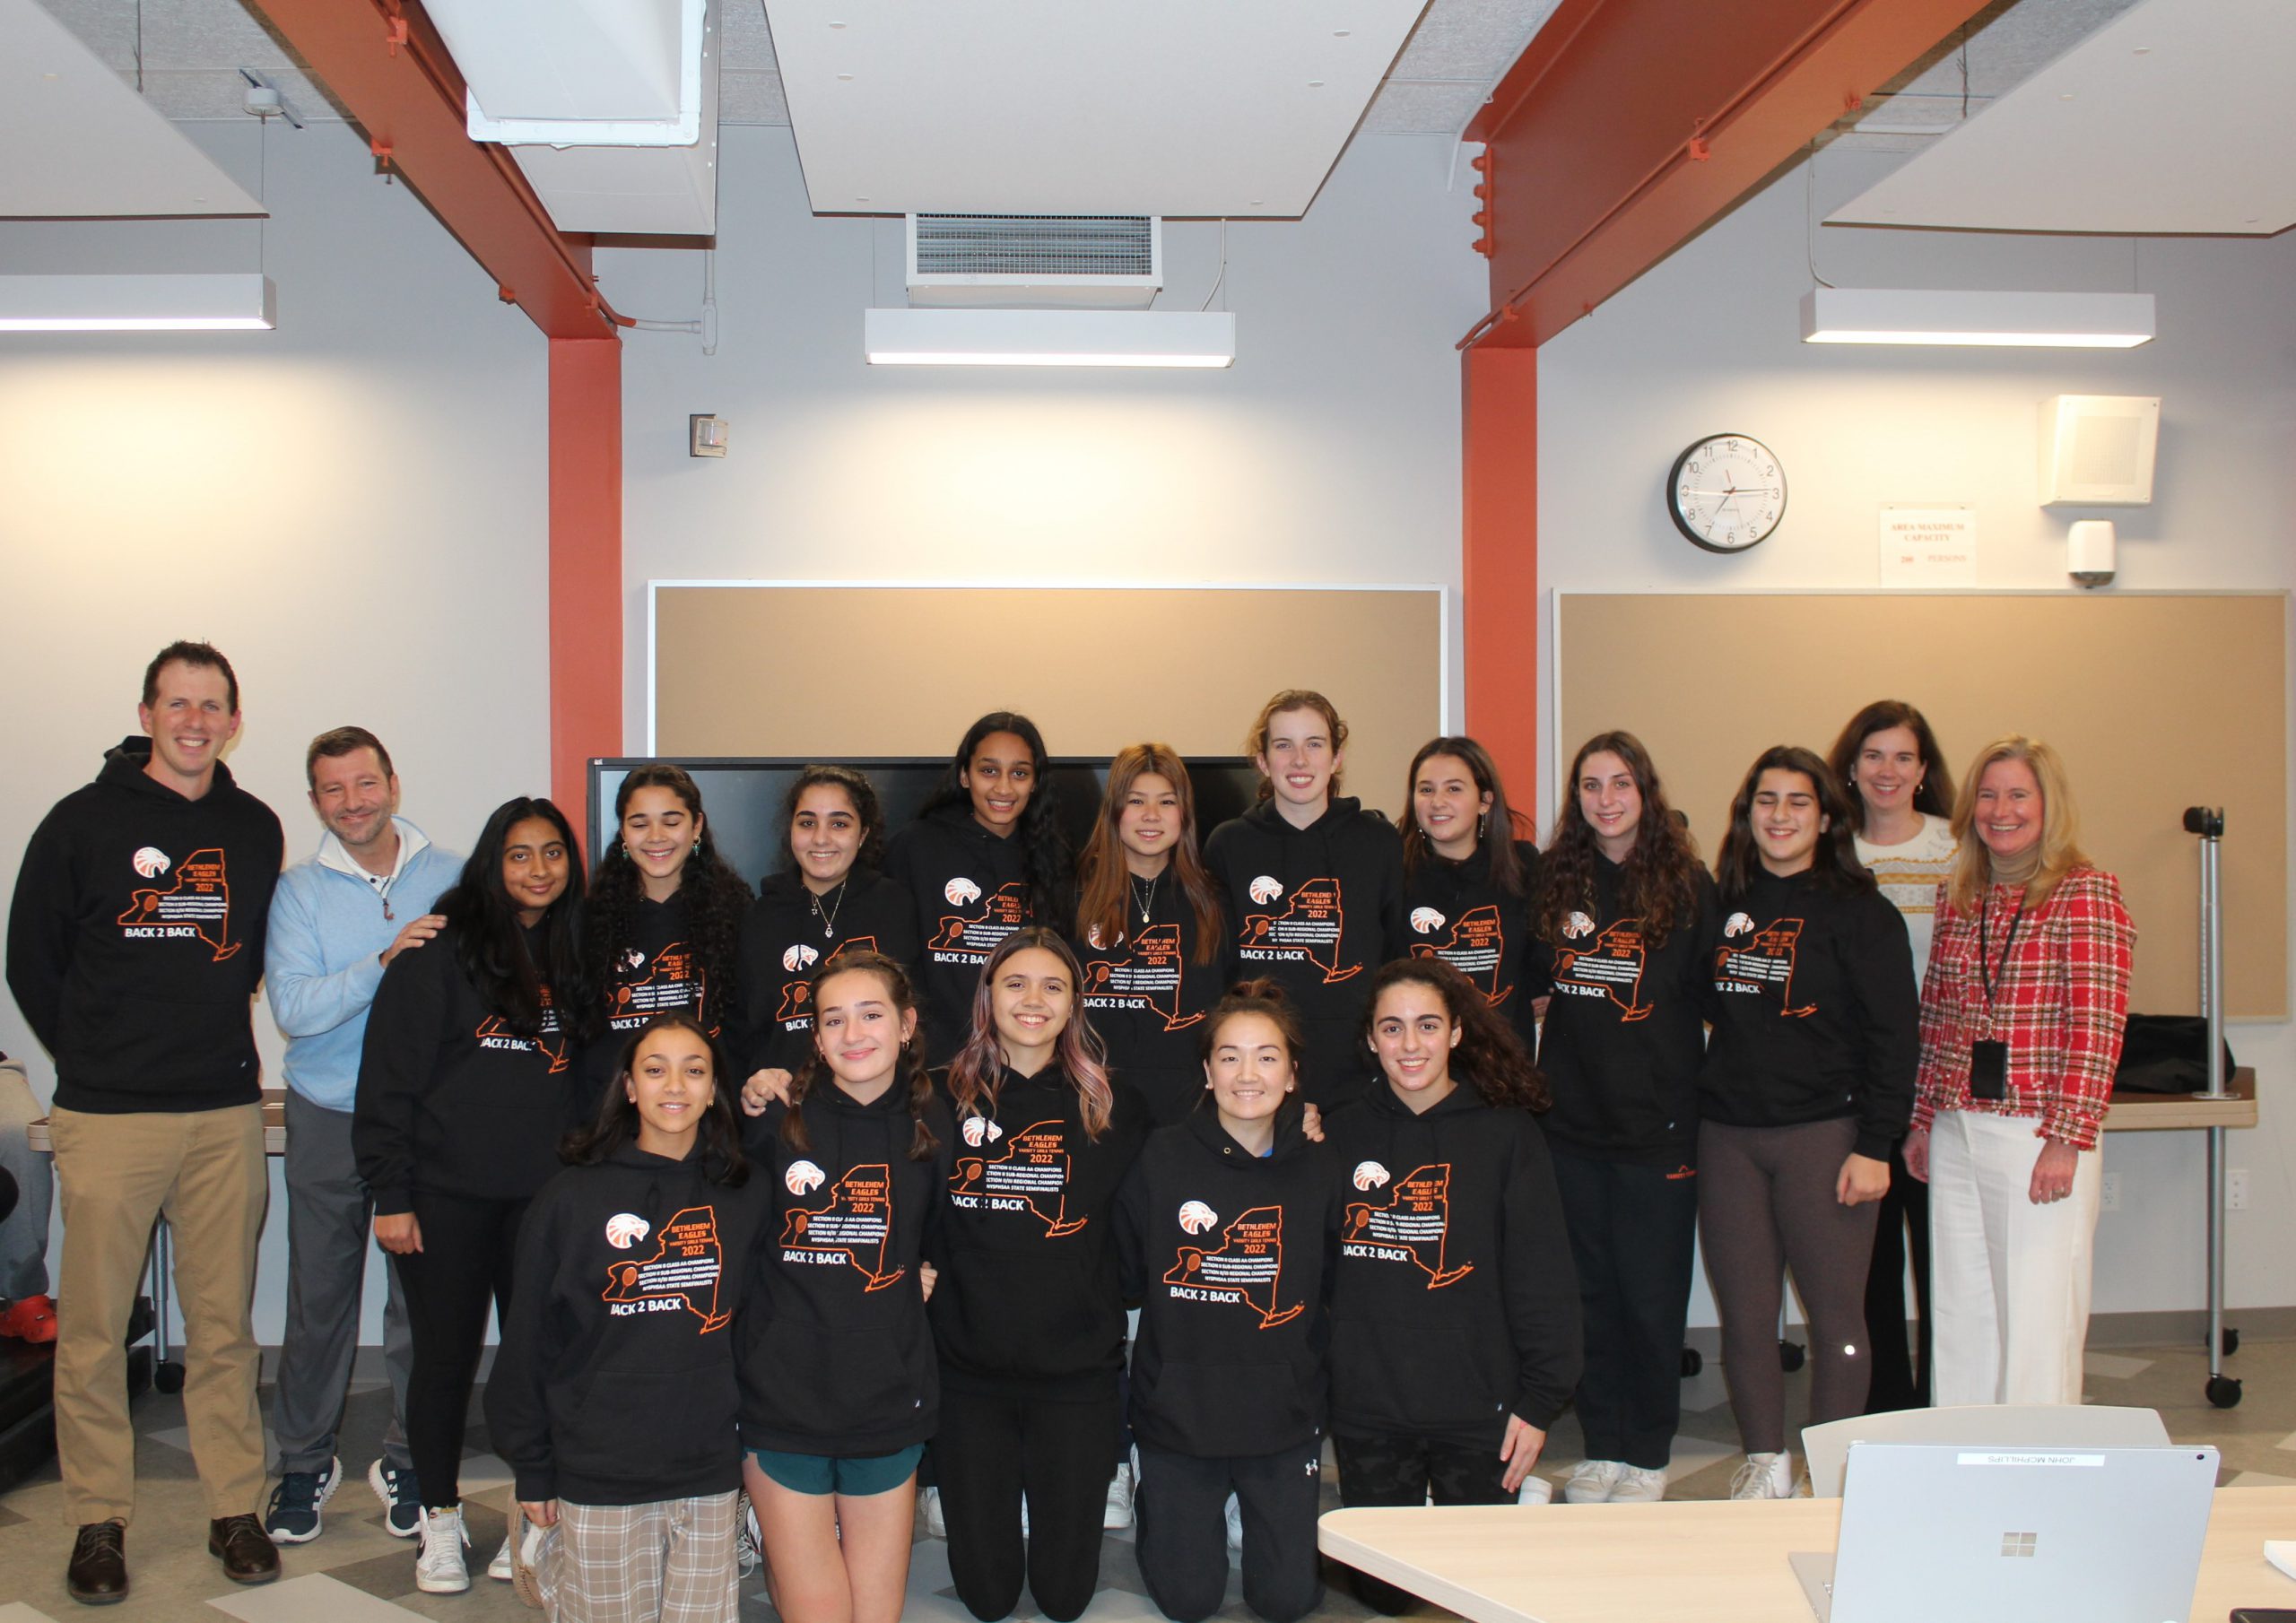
(2021, 1011)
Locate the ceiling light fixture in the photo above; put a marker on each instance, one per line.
(2076, 321)
(136, 304)
(1050, 338)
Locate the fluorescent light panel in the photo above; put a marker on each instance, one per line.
(2076, 321)
(135, 304)
(1050, 338)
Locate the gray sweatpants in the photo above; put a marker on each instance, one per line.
(328, 1217)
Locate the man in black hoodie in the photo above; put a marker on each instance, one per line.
(135, 945)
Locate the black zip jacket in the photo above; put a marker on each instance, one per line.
(1625, 1029)
(786, 943)
(1816, 1015)
(1452, 911)
(614, 1382)
(1147, 996)
(136, 938)
(968, 889)
(1230, 1255)
(836, 1357)
(1317, 908)
(451, 1100)
(1454, 1303)
(1026, 1251)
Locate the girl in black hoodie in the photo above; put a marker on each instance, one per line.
(1807, 1086)
(1027, 1311)
(985, 856)
(1313, 884)
(1455, 1314)
(1466, 879)
(839, 1390)
(1224, 1230)
(612, 1398)
(466, 1083)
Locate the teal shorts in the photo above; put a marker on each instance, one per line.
(856, 1476)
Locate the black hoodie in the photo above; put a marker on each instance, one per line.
(1317, 908)
(967, 891)
(1146, 996)
(451, 1100)
(1815, 1012)
(1230, 1255)
(614, 1382)
(787, 941)
(836, 1357)
(1028, 1288)
(136, 940)
(656, 973)
(1625, 1028)
(1452, 911)
(1454, 1302)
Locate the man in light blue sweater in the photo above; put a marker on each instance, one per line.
(336, 920)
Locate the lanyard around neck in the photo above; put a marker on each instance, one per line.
(1985, 946)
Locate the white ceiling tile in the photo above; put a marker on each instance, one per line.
(207, 33)
(1471, 40)
(750, 97)
(749, 42)
(106, 27)
(1406, 108)
(2009, 41)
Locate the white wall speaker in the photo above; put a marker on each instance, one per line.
(2097, 449)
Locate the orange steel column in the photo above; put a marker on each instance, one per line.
(585, 564)
(1501, 558)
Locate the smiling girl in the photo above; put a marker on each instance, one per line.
(613, 1398)
(1027, 1312)
(1466, 877)
(1313, 884)
(1807, 1086)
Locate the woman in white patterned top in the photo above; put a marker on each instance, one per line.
(1903, 804)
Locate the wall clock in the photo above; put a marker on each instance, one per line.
(1727, 494)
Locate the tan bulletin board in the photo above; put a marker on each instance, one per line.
(844, 672)
(2156, 702)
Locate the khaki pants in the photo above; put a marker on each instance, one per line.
(671, 1561)
(204, 1171)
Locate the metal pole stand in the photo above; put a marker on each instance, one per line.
(2208, 823)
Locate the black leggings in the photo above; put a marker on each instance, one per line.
(1768, 1205)
(1411, 1471)
(1902, 1231)
(462, 1267)
(1633, 1234)
(992, 1448)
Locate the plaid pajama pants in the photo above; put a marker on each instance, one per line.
(673, 1560)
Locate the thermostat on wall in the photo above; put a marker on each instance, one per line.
(705, 435)
(2097, 449)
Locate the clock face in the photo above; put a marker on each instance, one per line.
(1726, 492)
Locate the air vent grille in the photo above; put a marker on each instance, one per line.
(1031, 246)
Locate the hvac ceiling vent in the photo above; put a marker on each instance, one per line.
(1096, 261)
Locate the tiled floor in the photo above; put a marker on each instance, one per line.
(357, 1574)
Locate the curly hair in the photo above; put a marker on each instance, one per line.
(978, 1072)
(1044, 845)
(902, 994)
(715, 897)
(1489, 1056)
(1660, 873)
(490, 945)
(1834, 864)
(719, 1141)
(1497, 831)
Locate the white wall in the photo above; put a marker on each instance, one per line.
(1711, 340)
(351, 508)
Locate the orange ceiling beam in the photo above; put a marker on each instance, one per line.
(387, 65)
(1627, 124)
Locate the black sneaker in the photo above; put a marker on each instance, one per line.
(292, 1516)
(393, 1485)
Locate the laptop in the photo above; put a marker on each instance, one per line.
(1985, 1534)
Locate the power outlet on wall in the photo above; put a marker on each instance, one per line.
(2109, 1193)
(2236, 1189)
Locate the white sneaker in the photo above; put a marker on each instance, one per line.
(438, 1566)
(1119, 1513)
(1636, 1486)
(750, 1541)
(500, 1567)
(936, 1523)
(1235, 1513)
(1764, 1476)
(1535, 1490)
(1592, 1482)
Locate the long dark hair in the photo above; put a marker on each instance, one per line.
(1936, 796)
(922, 1139)
(1489, 1057)
(490, 944)
(1660, 874)
(718, 1143)
(1834, 864)
(1104, 883)
(715, 897)
(978, 1072)
(1044, 847)
(867, 807)
(1495, 833)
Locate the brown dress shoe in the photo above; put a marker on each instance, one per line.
(247, 1554)
(98, 1575)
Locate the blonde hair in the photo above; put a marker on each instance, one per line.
(2061, 850)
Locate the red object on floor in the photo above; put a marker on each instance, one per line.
(32, 1319)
